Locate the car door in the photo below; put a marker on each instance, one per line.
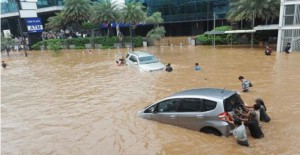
(190, 113)
(132, 59)
(166, 111)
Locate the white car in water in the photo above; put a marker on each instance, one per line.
(144, 61)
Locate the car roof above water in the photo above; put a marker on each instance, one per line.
(206, 92)
(141, 53)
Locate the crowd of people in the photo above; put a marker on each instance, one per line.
(250, 117)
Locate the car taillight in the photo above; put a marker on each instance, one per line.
(223, 116)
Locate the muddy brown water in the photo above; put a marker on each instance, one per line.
(80, 103)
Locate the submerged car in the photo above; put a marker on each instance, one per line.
(202, 109)
(144, 61)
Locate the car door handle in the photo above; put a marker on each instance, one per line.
(172, 116)
(199, 116)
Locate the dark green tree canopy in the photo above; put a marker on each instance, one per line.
(76, 11)
(133, 13)
(155, 19)
(246, 9)
(56, 22)
(104, 12)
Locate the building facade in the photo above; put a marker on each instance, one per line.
(10, 14)
(188, 17)
(289, 25)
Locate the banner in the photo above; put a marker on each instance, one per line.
(34, 25)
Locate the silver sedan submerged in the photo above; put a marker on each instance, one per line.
(197, 109)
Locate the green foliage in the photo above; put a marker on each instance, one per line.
(54, 46)
(133, 13)
(156, 33)
(219, 39)
(107, 42)
(222, 28)
(37, 46)
(56, 22)
(7, 42)
(246, 9)
(88, 26)
(78, 41)
(76, 11)
(105, 12)
(155, 19)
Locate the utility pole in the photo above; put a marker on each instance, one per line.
(252, 34)
(130, 30)
(214, 30)
(23, 40)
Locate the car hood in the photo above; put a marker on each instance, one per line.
(152, 67)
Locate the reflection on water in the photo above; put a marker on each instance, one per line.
(82, 103)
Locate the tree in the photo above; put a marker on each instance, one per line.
(76, 11)
(158, 31)
(105, 12)
(132, 14)
(56, 22)
(250, 9)
(54, 46)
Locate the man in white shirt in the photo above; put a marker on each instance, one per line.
(239, 132)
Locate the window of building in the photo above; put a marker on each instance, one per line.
(289, 15)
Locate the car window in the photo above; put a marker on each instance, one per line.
(150, 109)
(148, 59)
(168, 105)
(209, 105)
(127, 55)
(190, 105)
(133, 58)
(232, 102)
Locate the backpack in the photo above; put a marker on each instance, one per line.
(250, 84)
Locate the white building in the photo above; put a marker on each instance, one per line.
(289, 25)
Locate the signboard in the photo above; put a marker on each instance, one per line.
(27, 13)
(35, 1)
(34, 25)
(28, 6)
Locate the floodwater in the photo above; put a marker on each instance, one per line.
(81, 103)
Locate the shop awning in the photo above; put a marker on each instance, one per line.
(240, 31)
(214, 32)
(267, 27)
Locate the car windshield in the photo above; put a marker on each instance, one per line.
(148, 60)
(233, 102)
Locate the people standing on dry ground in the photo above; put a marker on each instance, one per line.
(4, 64)
(287, 48)
(197, 67)
(246, 84)
(169, 68)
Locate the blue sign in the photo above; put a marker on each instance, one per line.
(34, 25)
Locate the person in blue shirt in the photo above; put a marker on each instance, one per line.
(245, 84)
(197, 67)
